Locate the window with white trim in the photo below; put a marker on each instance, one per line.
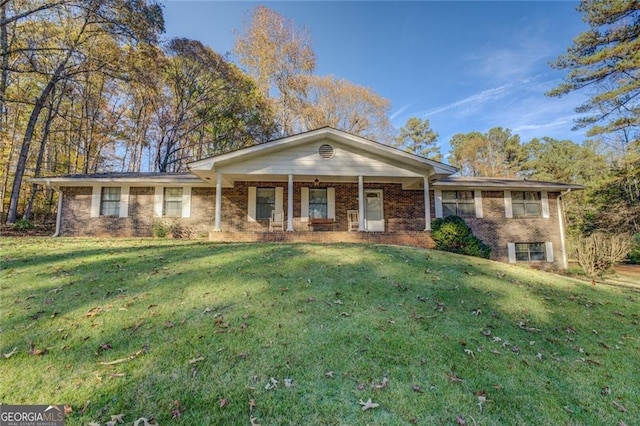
(458, 203)
(110, 201)
(172, 202)
(318, 203)
(526, 204)
(265, 202)
(530, 252)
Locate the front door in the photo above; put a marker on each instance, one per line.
(373, 214)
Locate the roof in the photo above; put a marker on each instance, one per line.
(185, 178)
(371, 147)
(510, 183)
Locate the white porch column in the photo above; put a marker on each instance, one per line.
(290, 205)
(427, 205)
(218, 223)
(360, 203)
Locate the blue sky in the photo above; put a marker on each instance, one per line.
(464, 66)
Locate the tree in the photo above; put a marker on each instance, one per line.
(276, 52)
(563, 161)
(417, 137)
(496, 153)
(57, 59)
(338, 103)
(605, 58)
(208, 107)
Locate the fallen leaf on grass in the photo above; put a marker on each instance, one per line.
(288, 383)
(118, 418)
(417, 389)
(329, 374)
(382, 384)
(460, 420)
(252, 405)
(453, 378)
(143, 421)
(619, 406)
(605, 391)
(12, 353)
(223, 402)
(68, 410)
(197, 359)
(93, 312)
(368, 404)
(253, 421)
(273, 384)
(35, 351)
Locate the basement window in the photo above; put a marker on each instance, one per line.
(530, 252)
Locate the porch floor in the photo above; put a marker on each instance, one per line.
(405, 238)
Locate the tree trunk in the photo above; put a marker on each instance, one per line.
(43, 144)
(24, 151)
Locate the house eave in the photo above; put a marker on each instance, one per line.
(504, 184)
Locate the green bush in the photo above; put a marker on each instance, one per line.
(23, 225)
(160, 229)
(634, 254)
(454, 235)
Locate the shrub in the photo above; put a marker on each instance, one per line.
(598, 252)
(160, 229)
(22, 225)
(634, 254)
(452, 234)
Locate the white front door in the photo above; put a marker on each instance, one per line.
(373, 214)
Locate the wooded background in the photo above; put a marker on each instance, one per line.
(87, 86)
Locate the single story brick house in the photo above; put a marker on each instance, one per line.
(322, 185)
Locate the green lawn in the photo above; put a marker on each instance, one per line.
(302, 333)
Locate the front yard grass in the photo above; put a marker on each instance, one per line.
(198, 333)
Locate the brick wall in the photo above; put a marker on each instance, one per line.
(76, 220)
(403, 212)
(496, 230)
(403, 209)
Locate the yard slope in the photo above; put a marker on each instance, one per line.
(199, 333)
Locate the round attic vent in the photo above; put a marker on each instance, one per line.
(326, 151)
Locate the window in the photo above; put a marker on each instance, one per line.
(265, 202)
(526, 204)
(530, 252)
(172, 205)
(318, 206)
(110, 201)
(458, 203)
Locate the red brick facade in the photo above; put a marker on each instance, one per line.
(403, 213)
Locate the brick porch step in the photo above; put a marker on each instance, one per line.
(407, 238)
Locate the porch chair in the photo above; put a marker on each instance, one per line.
(276, 221)
(352, 219)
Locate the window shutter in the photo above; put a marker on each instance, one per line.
(251, 210)
(548, 248)
(157, 201)
(508, 210)
(279, 198)
(124, 201)
(186, 201)
(331, 203)
(544, 198)
(438, 196)
(511, 249)
(304, 204)
(477, 199)
(95, 201)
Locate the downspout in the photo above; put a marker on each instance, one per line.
(565, 262)
(58, 214)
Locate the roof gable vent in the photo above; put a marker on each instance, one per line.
(326, 151)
